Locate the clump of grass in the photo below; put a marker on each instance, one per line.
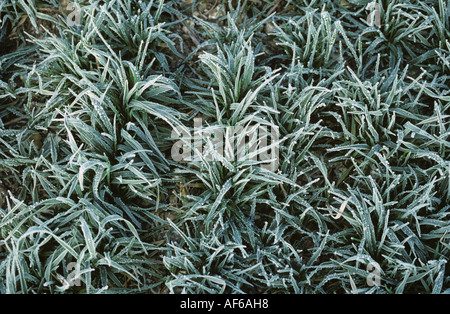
(92, 200)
